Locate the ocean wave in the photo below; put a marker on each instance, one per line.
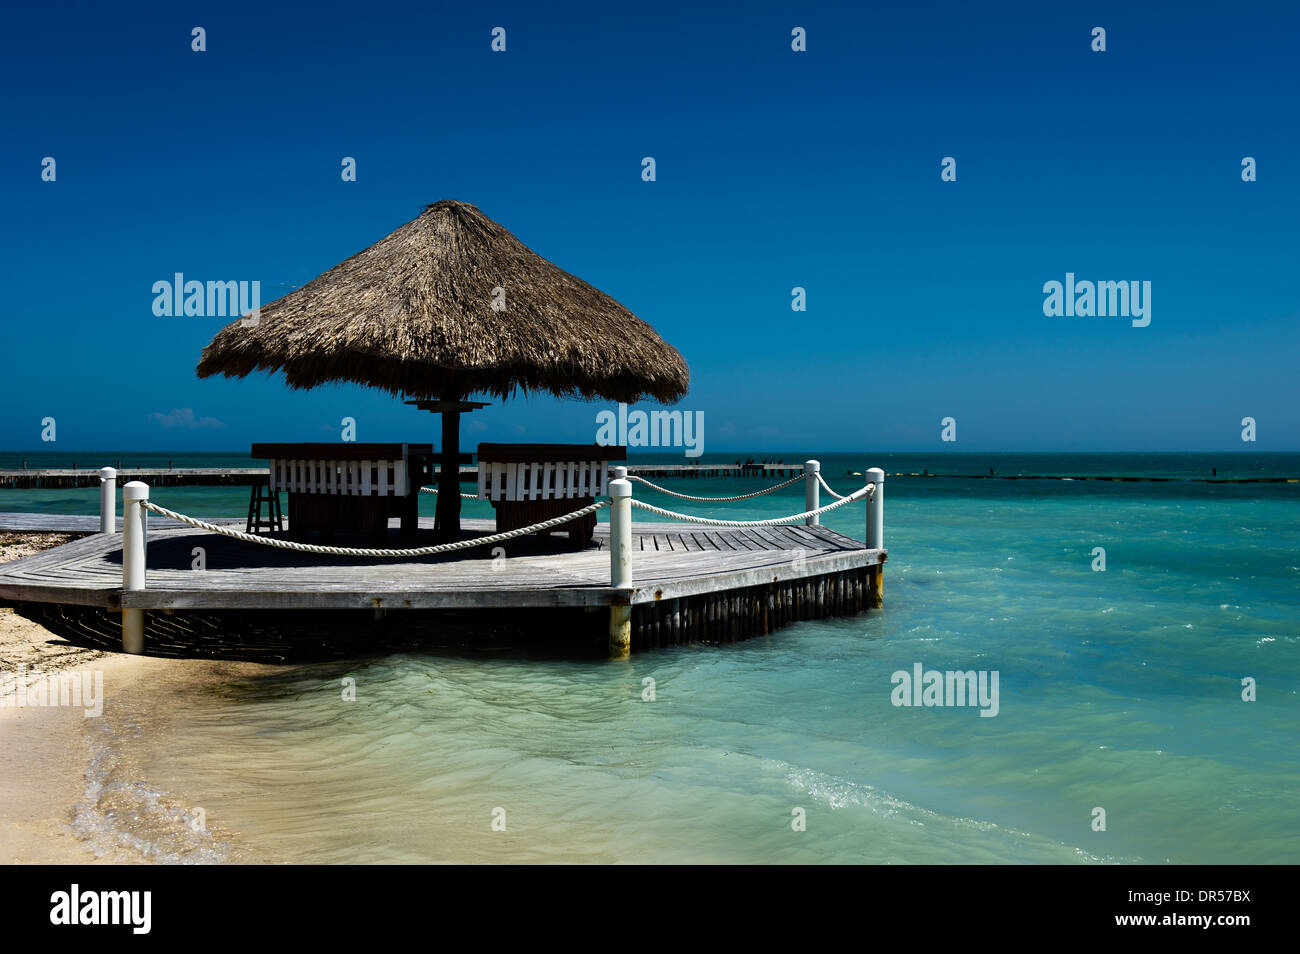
(841, 793)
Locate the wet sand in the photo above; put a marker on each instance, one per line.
(55, 805)
(44, 751)
(70, 791)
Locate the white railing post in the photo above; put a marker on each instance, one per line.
(620, 561)
(135, 522)
(876, 510)
(107, 500)
(811, 469)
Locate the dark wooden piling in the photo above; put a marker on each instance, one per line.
(736, 615)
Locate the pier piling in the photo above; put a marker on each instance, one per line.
(811, 491)
(876, 510)
(876, 535)
(620, 562)
(134, 529)
(107, 500)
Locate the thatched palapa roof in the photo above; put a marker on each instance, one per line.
(413, 315)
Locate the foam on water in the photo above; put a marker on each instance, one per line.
(125, 819)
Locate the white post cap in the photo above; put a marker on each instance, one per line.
(812, 466)
(135, 490)
(108, 473)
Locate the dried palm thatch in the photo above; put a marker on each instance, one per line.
(413, 315)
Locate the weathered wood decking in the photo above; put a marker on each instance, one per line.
(689, 583)
(671, 561)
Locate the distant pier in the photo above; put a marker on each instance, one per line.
(67, 478)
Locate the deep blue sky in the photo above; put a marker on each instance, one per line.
(775, 169)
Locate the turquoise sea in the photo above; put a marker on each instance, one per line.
(1119, 690)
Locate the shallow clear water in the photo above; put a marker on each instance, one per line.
(1118, 689)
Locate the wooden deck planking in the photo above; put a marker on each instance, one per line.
(670, 562)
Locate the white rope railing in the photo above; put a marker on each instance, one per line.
(365, 552)
(673, 493)
(434, 490)
(866, 491)
(827, 487)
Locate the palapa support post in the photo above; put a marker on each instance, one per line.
(620, 562)
(134, 534)
(107, 500)
(448, 506)
(811, 491)
(448, 509)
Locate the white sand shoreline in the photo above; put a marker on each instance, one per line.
(44, 751)
(53, 759)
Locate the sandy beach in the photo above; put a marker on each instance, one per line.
(44, 752)
(55, 805)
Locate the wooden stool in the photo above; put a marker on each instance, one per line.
(261, 494)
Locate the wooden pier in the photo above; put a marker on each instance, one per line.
(690, 583)
(660, 584)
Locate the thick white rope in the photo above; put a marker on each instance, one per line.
(866, 491)
(347, 551)
(673, 493)
(827, 487)
(433, 490)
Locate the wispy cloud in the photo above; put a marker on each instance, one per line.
(186, 419)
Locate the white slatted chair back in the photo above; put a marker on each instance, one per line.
(542, 480)
(354, 478)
